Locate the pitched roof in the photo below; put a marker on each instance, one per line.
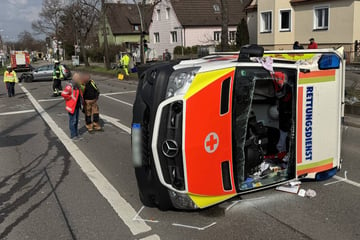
(202, 12)
(123, 17)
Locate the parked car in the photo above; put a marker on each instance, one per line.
(44, 72)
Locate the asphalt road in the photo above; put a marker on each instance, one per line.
(51, 188)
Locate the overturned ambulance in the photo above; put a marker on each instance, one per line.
(206, 130)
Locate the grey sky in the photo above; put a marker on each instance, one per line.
(16, 16)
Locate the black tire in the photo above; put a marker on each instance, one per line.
(151, 192)
(28, 78)
(146, 200)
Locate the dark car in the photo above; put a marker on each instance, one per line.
(44, 72)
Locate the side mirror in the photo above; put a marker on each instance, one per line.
(329, 61)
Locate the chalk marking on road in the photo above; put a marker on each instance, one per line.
(50, 100)
(341, 180)
(117, 100)
(194, 227)
(348, 181)
(117, 93)
(152, 237)
(138, 218)
(124, 210)
(242, 200)
(116, 122)
(17, 112)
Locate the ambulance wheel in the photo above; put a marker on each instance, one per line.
(151, 192)
(146, 200)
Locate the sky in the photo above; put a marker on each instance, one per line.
(17, 16)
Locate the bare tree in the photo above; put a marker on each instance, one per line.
(101, 12)
(84, 17)
(143, 9)
(49, 21)
(224, 25)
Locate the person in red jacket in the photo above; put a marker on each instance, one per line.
(72, 96)
(312, 44)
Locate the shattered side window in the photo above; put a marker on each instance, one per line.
(244, 86)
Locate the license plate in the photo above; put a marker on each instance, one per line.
(136, 145)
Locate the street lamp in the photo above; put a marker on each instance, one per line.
(181, 36)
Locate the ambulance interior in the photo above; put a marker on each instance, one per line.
(268, 142)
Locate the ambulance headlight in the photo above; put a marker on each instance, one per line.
(180, 80)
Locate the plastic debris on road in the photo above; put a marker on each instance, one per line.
(310, 193)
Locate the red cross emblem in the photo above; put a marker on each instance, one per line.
(211, 142)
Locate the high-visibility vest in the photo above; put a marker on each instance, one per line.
(58, 73)
(125, 60)
(10, 76)
(71, 96)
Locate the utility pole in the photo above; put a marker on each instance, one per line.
(105, 42)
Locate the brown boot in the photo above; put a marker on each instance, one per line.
(90, 128)
(97, 127)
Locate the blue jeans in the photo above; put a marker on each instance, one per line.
(73, 123)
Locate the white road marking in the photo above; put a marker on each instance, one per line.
(117, 100)
(194, 227)
(356, 184)
(124, 210)
(138, 218)
(152, 237)
(116, 122)
(17, 112)
(51, 99)
(342, 180)
(117, 93)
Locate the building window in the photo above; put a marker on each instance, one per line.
(285, 20)
(232, 36)
(157, 37)
(321, 18)
(266, 22)
(158, 18)
(173, 36)
(217, 36)
(136, 28)
(167, 13)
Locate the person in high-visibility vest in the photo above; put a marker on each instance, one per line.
(57, 77)
(90, 94)
(125, 61)
(10, 79)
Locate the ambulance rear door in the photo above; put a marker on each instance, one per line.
(319, 117)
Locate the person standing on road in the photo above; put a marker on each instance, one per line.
(167, 55)
(90, 95)
(10, 79)
(312, 44)
(58, 76)
(72, 96)
(297, 45)
(125, 61)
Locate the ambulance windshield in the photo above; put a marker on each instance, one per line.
(262, 126)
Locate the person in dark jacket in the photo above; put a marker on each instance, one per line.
(90, 93)
(297, 46)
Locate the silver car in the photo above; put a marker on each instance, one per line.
(44, 72)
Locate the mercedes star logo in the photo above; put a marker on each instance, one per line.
(170, 148)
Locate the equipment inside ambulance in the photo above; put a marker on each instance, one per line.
(206, 130)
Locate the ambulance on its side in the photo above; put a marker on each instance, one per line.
(209, 129)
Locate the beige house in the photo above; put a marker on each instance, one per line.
(279, 23)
